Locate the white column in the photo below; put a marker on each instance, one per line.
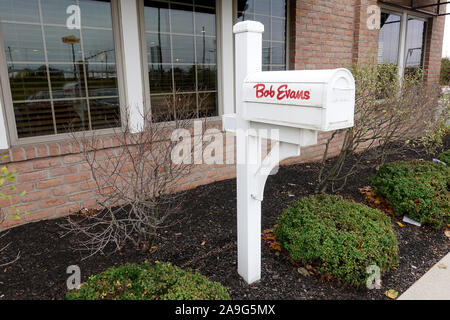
(402, 45)
(132, 63)
(248, 43)
(3, 133)
(226, 55)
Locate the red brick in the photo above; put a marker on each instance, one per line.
(49, 183)
(89, 185)
(20, 166)
(36, 195)
(81, 196)
(79, 177)
(74, 158)
(30, 152)
(46, 163)
(32, 176)
(40, 214)
(48, 203)
(17, 154)
(9, 223)
(65, 148)
(62, 171)
(65, 190)
(67, 209)
(9, 202)
(92, 203)
(22, 209)
(42, 150)
(54, 150)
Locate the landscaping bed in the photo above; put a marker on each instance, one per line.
(205, 239)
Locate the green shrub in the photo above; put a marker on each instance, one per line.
(340, 238)
(445, 71)
(149, 282)
(445, 157)
(417, 189)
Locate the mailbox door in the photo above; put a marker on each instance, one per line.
(340, 101)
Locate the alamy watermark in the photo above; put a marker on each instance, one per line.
(217, 147)
(374, 19)
(74, 280)
(374, 279)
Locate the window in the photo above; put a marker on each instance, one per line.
(272, 14)
(181, 46)
(61, 65)
(415, 43)
(389, 38)
(392, 42)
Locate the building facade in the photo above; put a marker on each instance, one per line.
(73, 65)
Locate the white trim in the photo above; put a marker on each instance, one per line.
(225, 57)
(4, 144)
(402, 44)
(132, 63)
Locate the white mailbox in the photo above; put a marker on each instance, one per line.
(322, 100)
(289, 108)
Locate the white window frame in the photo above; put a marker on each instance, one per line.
(6, 97)
(404, 16)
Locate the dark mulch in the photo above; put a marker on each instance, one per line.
(209, 218)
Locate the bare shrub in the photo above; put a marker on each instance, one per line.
(388, 115)
(136, 181)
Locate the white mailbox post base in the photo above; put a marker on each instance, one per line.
(252, 173)
(288, 108)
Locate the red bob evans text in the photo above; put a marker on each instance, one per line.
(282, 93)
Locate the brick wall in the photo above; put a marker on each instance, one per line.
(329, 34)
(58, 181)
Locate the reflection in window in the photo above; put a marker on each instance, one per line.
(272, 14)
(61, 79)
(389, 39)
(182, 55)
(389, 42)
(415, 38)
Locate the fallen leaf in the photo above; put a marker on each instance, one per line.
(275, 246)
(392, 294)
(311, 269)
(303, 271)
(442, 266)
(447, 233)
(203, 243)
(400, 224)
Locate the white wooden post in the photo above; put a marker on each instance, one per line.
(248, 41)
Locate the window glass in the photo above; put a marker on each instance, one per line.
(62, 73)
(182, 56)
(415, 37)
(389, 41)
(389, 38)
(272, 14)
